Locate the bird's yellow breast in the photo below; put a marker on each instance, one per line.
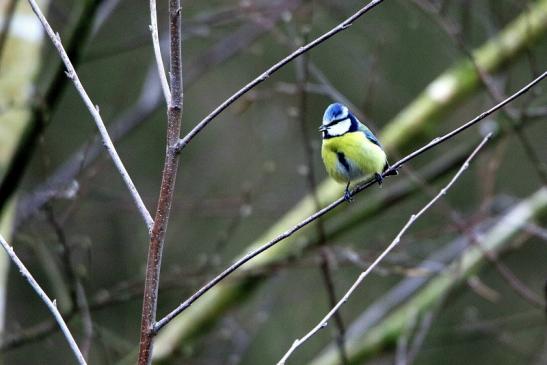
(352, 156)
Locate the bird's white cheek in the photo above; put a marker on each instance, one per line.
(340, 128)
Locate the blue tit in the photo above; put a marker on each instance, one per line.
(350, 150)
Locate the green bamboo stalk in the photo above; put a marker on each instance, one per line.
(417, 120)
(365, 343)
(19, 63)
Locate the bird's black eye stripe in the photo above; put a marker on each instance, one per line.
(336, 121)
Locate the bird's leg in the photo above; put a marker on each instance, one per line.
(347, 194)
(379, 179)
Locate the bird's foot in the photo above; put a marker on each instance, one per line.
(347, 196)
(379, 179)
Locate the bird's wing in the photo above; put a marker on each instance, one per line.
(370, 136)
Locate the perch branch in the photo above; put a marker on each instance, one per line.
(337, 202)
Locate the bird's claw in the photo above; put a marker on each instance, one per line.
(379, 179)
(347, 196)
(347, 193)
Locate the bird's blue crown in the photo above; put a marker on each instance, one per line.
(335, 111)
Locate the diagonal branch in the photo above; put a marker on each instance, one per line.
(249, 256)
(71, 73)
(392, 245)
(269, 72)
(52, 306)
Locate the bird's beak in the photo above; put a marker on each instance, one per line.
(322, 128)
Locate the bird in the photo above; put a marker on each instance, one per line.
(350, 151)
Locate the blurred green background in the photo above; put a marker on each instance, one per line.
(249, 167)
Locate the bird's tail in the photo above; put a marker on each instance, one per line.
(394, 172)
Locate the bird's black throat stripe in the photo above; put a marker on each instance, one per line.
(342, 160)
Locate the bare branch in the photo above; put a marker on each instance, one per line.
(157, 238)
(250, 255)
(157, 51)
(71, 73)
(392, 245)
(269, 72)
(43, 296)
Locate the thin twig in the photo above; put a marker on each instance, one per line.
(157, 239)
(270, 71)
(52, 306)
(188, 302)
(392, 245)
(94, 110)
(157, 51)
